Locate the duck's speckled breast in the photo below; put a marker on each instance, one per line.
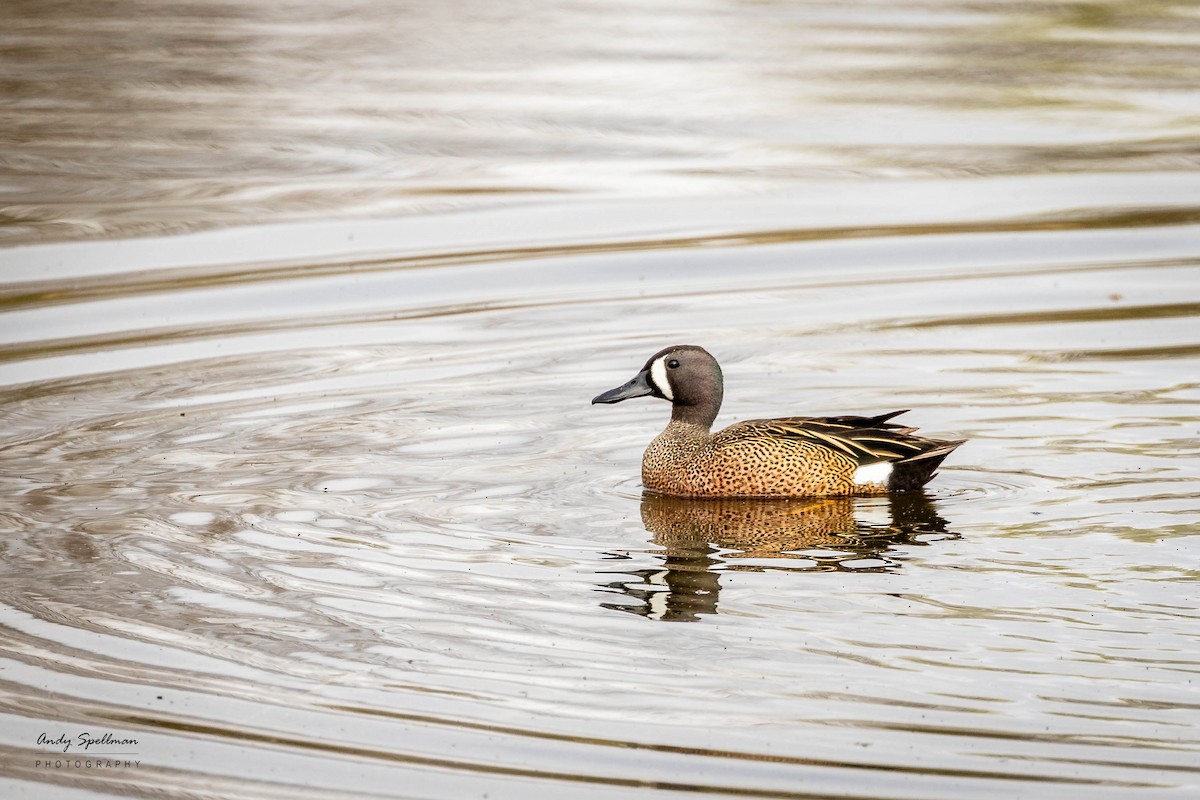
(686, 460)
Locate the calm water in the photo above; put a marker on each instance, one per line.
(302, 306)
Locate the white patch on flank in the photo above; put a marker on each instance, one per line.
(879, 472)
(658, 373)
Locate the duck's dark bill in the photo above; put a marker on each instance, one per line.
(638, 387)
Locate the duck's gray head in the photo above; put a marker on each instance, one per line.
(686, 375)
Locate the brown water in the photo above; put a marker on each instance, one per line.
(303, 304)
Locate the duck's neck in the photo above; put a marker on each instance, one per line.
(700, 414)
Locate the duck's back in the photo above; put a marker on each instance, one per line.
(792, 457)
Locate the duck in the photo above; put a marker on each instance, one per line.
(768, 458)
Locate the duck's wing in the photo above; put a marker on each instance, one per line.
(866, 440)
(880, 422)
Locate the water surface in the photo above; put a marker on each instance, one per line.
(317, 506)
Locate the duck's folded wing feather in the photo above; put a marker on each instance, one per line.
(867, 440)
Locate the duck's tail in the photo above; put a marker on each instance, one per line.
(917, 470)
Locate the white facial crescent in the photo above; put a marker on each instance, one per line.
(658, 374)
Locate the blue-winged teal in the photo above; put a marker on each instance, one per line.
(788, 457)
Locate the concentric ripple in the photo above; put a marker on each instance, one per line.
(408, 549)
(317, 507)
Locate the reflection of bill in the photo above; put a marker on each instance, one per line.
(703, 537)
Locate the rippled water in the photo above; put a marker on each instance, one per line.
(321, 509)
(137, 116)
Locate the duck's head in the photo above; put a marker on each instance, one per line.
(686, 375)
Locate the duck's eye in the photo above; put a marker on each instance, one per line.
(673, 363)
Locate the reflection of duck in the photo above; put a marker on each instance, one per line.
(755, 528)
(702, 537)
(789, 457)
